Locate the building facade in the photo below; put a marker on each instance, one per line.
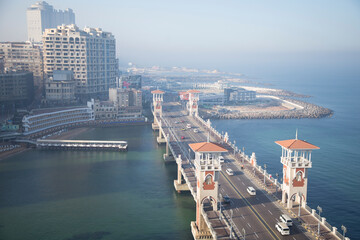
(56, 118)
(41, 15)
(60, 87)
(23, 56)
(130, 81)
(16, 89)
(237, 95)
(89, 54)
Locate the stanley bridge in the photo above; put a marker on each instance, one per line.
(203, 155)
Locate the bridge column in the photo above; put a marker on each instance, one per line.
(167, 154)
(207, 173)
(179, 186)
(157, 104)
(160, 139)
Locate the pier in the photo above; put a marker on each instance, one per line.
(81, 145)
(196, 146)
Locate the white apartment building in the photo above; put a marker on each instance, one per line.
(23, 56)
(88, 53)
(41, 15)
(60, 87)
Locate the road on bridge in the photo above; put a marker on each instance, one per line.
(257, 215)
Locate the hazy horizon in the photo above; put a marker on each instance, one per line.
(210, 34)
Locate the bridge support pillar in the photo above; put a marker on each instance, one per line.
(179, 186)
(198, 234)
(167, 155)
(160, 139)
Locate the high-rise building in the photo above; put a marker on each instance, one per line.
(88, 53)
(41, 15)
(23, 56)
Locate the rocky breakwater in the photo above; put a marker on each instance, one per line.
(308, 110)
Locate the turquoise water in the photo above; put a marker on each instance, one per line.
(335, 177)
(94, 195)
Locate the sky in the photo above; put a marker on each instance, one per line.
(211, 33)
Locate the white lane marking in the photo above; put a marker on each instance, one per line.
(270, 212)
(239, 178)
(249, 225)
(257, 198)
(237, 209)
(242, 216)
(294, 238)
(256, 235)
(263, 204)
(243, 183)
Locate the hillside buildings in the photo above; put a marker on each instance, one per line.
(23, 56)
(41, 15)
(88, 53)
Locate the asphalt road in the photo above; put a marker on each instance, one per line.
(257, 215)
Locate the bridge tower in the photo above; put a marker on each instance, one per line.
(157, 103)
(193, 105)
(207, 166)
(296, 160)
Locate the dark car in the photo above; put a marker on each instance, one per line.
(226, 199)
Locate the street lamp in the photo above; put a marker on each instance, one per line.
(231, 223)
(320, 211)
(220, 197)
(277, 176)
(264, 172)
(300, 195)
(234, 147)
(343, 228)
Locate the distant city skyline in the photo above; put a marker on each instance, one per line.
(209, 33)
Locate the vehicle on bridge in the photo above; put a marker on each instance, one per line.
(251, 191)
(221, 159)
(188, 125)
(182, 137)
(196, 130)
(183, 129)
(286, 219)
(282, 228)
(226, 199)
(229, 171)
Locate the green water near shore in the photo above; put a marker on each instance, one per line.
(94, 195)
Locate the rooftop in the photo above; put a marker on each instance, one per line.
(157, 92)
(296, 144)
(206, 147)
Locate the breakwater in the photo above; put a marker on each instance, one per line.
(308, 110)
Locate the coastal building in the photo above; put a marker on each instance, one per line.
(238, 95)
(16, 89)
(44, 119)
(122, 104)
(88, 53)
(23, 56)
(60, 87)
(42, 15)
(130, 81)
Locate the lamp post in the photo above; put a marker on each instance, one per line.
(231, 223)
(234, 147)
(264, 172)
(277, 176)
(254, 171)
(320, 211)
(343, 228)
(300, 195)
(220, 196)
(244, 233)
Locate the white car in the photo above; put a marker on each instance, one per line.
(251, 191)
(229, 171)
(282, 228)
(221, 159)
(196, 130)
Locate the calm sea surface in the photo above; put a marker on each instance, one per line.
(94, 195)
